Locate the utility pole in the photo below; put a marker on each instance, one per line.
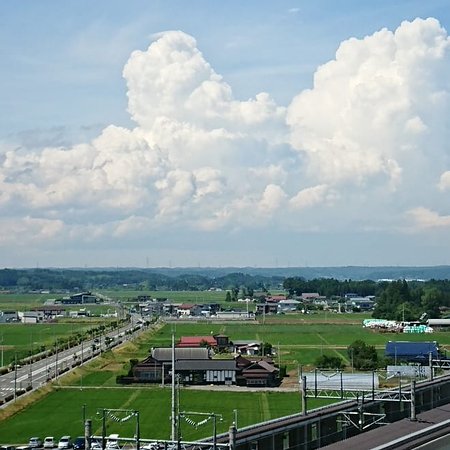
(174, 412)
(138, 431)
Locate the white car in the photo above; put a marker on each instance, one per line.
(34, 442)
(113, 442)
(49, 442)
(65, 442)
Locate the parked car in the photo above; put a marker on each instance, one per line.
(49, 442)
(35, 442)
(95, 445)
(113, 442)
(65, 442)
(79, 443)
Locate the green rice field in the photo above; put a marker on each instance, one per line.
(297, 340)
(17, 340)
(61, 412)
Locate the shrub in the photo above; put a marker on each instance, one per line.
(329, 362)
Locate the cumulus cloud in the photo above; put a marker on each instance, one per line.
(311, 196)
(29, 231)
(444, 181)
(371, 132)
(372, 111)
(425, 218)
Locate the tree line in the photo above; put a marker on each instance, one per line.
(395, 300)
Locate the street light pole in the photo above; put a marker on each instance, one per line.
(56, 360)
(15, 376)
(2, 350)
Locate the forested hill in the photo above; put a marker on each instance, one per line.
(197, 278)
(374, 273)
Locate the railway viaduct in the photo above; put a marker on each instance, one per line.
(365, 411)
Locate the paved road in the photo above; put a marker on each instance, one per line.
(40, 372)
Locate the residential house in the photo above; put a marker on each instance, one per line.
(276, 298)
(151, 308)
(360, 303)
(247, 347)
(195, 366)
(260, 372)
(170, 309)
(309, 296)
(188, 309)
(266, 308)
(288, 305)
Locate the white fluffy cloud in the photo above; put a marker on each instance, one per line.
(372, 132)
(378, 107)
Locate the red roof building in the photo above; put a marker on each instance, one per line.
(197, 341)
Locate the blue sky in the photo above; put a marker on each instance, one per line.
(207, 133)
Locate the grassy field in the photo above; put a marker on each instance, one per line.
(20, 302)
(44, 417)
